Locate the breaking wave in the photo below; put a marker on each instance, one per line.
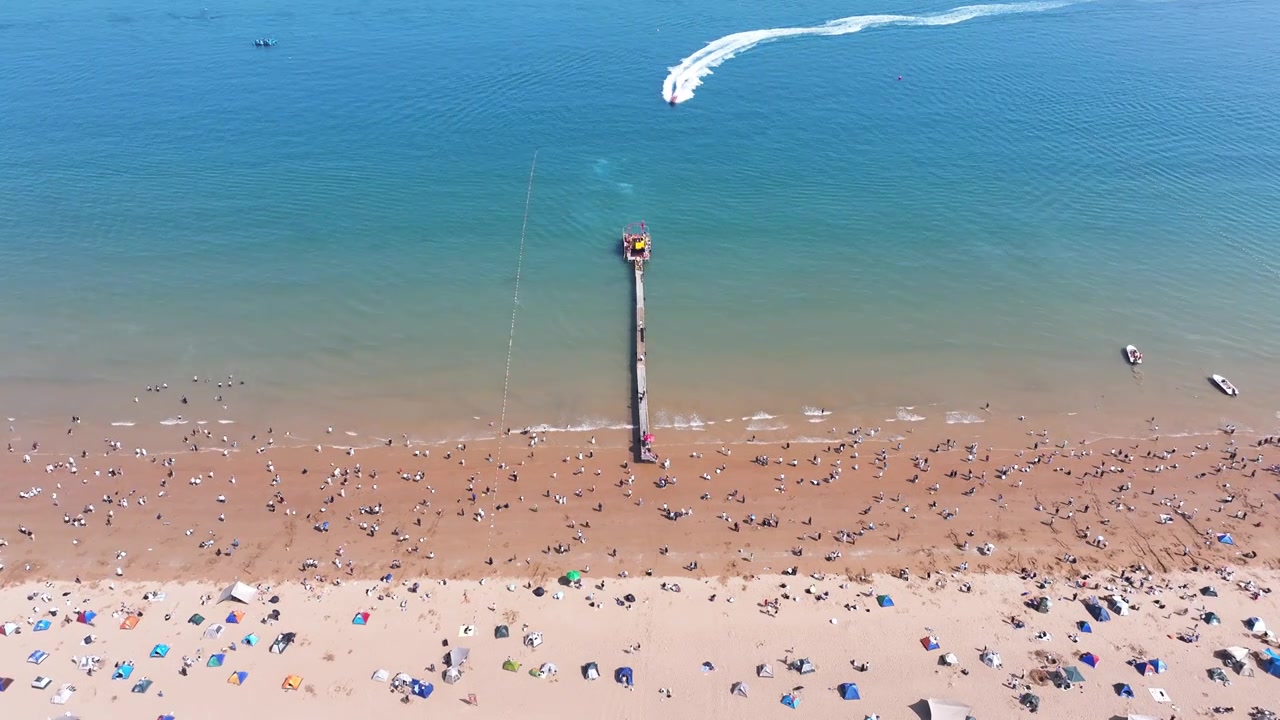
(683, 78)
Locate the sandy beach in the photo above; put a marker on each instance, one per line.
(737, 555)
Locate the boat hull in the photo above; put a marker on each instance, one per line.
(1224, 385)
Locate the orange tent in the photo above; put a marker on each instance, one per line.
(130, 622)
(293, 682)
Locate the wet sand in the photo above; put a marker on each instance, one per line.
(899, 510)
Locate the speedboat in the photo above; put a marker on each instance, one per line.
(1224, 385)
(264, 42)
(1131, 352)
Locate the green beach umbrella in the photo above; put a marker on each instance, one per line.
(573, 576)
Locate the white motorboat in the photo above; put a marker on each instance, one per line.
(1131, 352)
(1224, 385)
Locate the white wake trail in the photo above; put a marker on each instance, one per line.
(686, 76)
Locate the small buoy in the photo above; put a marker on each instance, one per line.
(899, 78)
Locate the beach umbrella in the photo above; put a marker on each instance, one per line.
(539, 592)
(573, 576)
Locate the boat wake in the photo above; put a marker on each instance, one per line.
(683, 78)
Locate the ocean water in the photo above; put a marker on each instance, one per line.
(903, 222)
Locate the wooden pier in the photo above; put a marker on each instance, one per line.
(636, 247)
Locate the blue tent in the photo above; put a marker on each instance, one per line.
(165, 717)
(791, 701)
(250, 640)
(884, 601)
(1125, 691)
(849, 691)
(361, 618)
(420, 688)
(86, 617)
(1099, 613)
(123, 672)
(42, 625)
(625, 676)
(159, 651)
(216, 660)
(929, 643)
(1273, 668)
(1226, 539)
(37, 657)
(1089, 659)
(1151, 667)
(1084, 627)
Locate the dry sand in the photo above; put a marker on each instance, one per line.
(1035, 497)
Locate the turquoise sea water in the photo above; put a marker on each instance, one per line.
(337, 219)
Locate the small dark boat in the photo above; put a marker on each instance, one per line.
(264, 42)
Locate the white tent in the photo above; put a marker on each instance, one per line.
(593, 673)
(947, 709)
(950, 659)
(764, 670)
(381, 676)
(1256, 625)
(458, 656)
(452, 675)
(991, 659)
(239, 592)
(9, 629)
(214, 631)
(533, 639)
(739, 688)
(1142, 717)
(548, 669)
(1237, 653)
(63, 695)
(1119, 606)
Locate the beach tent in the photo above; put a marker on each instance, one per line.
(591, 671)
(238, 677)
(122, 672)
(63, 694)
(216, 660)
(1125, 691)
(949, 660)
(234, 617)
(37, 657)
(738, 688)
(1209, 591)
(947, 710)
(9, 628)
(1030, 701)
(929, 643)
(803, 666)
(1211, 618)
(196, 619)
(764, 670)
(420, 688)
(1151, 667)
(166, 717)
(1226, 539)
(293, 682)
(215, 631)
(510, 665)
(142, 686)
(1217, 675)
(1255, 625)
(43, 625)
(1084, 627)
(991, 659)
(159, 650)
(251, 639)
(361, 618)
(381, 675)
(1237, 653)
(86, 617)
(624, 676)
(1089, 659)
(238, 592)
(1072, 674)
(282, 642)
(130, 622)
(547, 669)
(791, 701)
(849, 691)
(5, 683)
(884, 601)
(1098, 612)
(1119, 606)
(457, 656)
(452, 675)
(1044, 604)
(502, 631)
(533, 639)
(41, 682)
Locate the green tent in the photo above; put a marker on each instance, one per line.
(573, 576)
(1072, 674)
(511, 665)
(196, 619)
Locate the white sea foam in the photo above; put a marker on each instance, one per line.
(815, 412)
(905, 414)
(760, 415)
(816, 420)
(226, 422)
(681, 422)
(765, 425)
(587, 425)
(123, 423)
(173, 421)
(960, 417)
(686, 76)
